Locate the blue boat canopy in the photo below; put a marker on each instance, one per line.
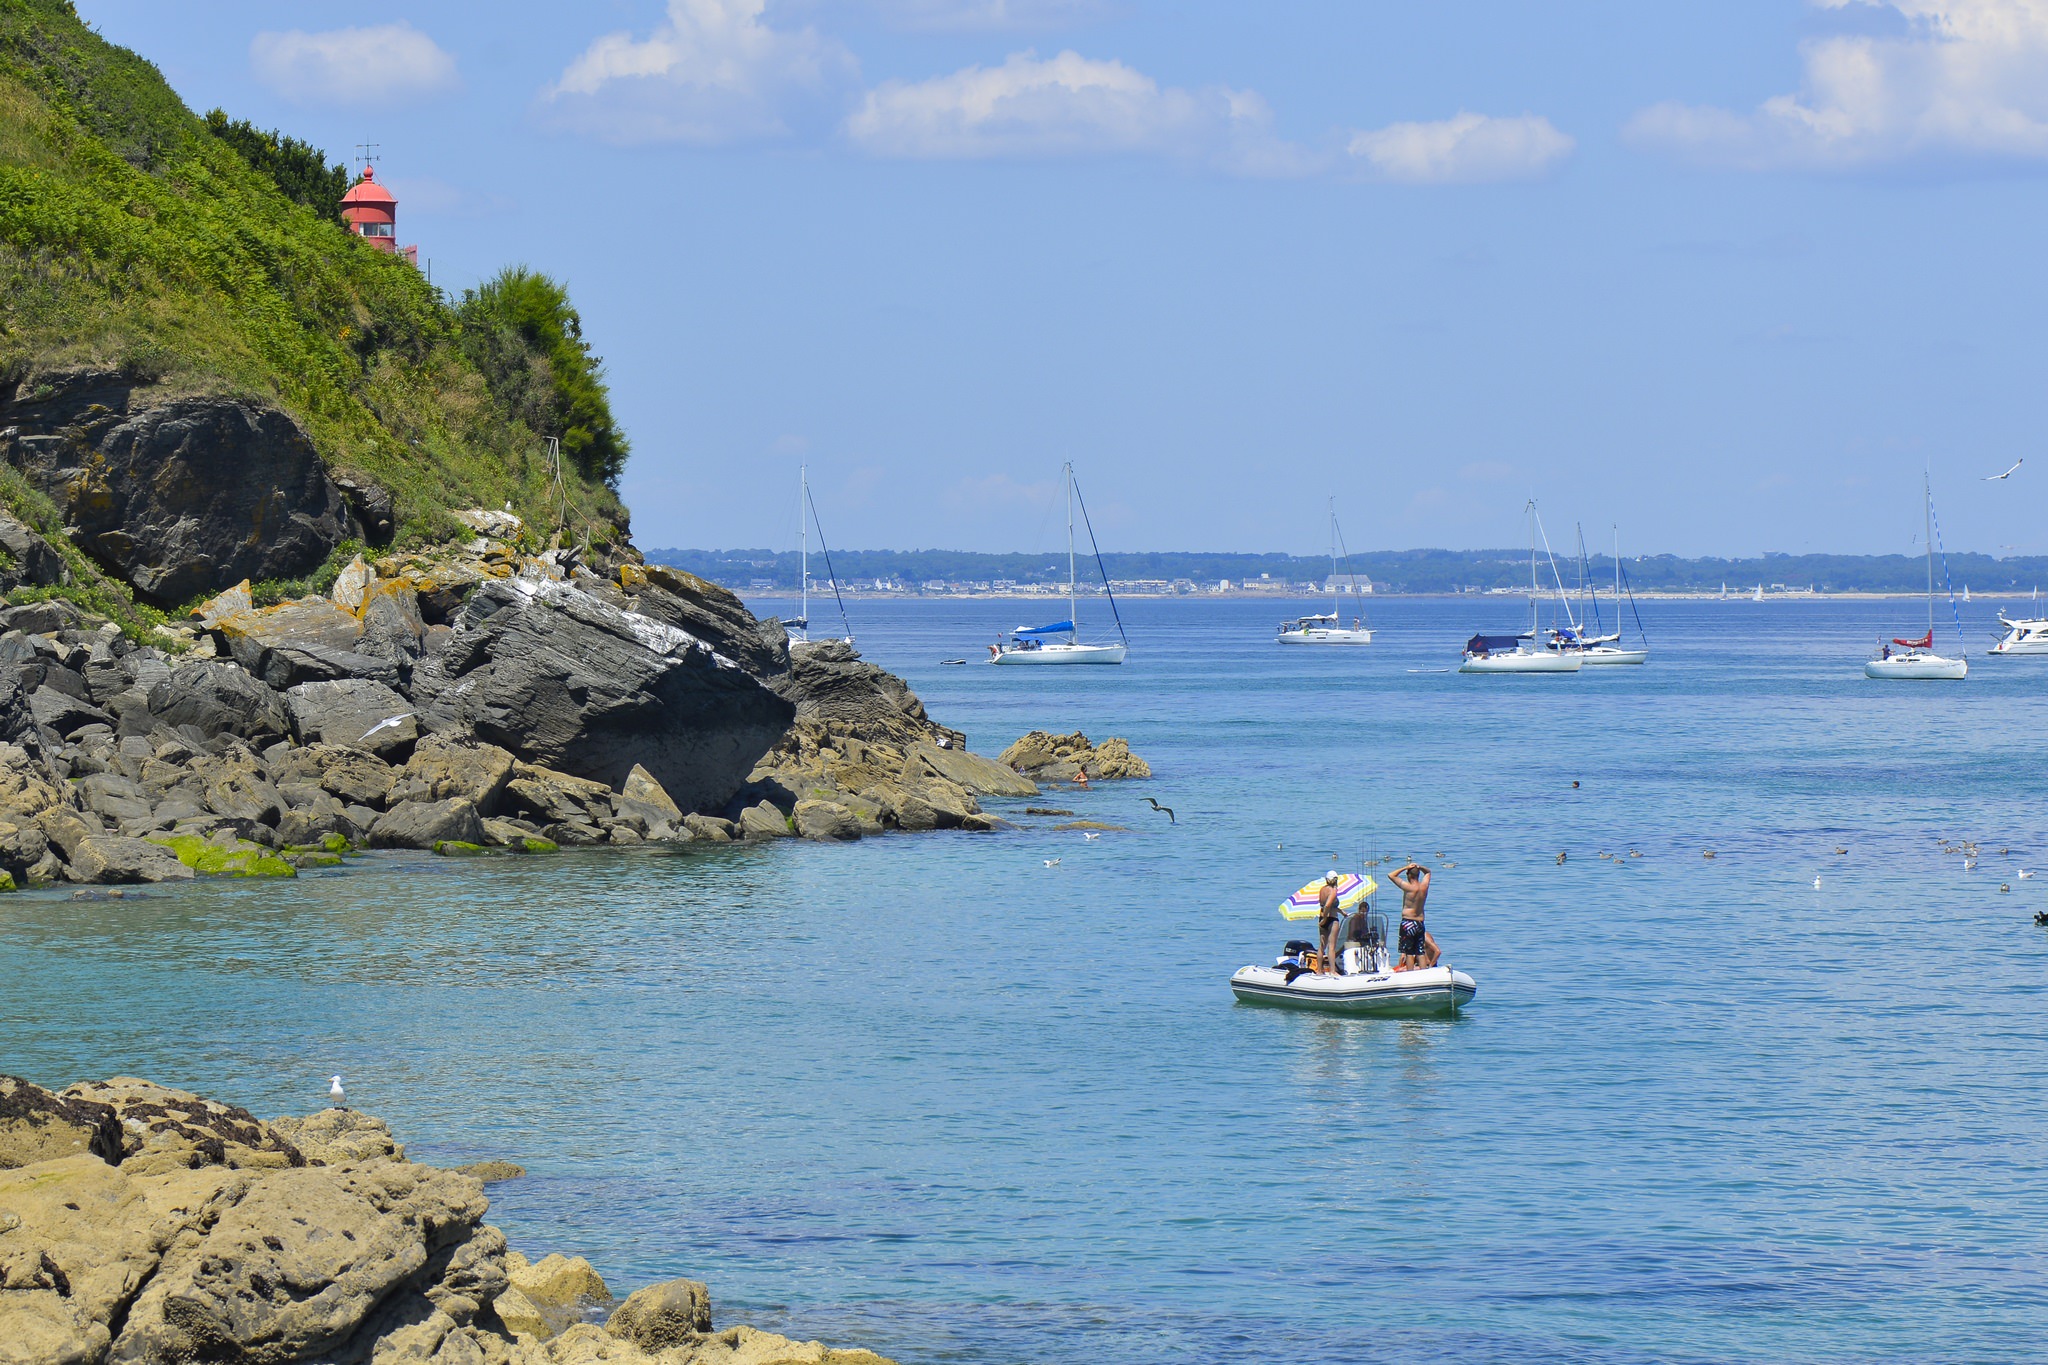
(1491, 644)
(1056, 628)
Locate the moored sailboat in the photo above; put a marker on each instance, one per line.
(1330, 629)
(1520, 653)
(1040, 644)
(1916, 660)
(806, 513)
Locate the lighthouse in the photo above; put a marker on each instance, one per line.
(371, 212)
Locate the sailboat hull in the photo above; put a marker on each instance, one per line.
(1521, 663)
(1062, 654)
(1324, 636)
(1603, 654)
(1917, 667)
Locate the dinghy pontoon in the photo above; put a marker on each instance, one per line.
(1365, 985)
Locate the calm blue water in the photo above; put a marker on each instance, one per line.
(929, 1095)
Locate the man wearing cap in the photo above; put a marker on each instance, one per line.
(1330, 921)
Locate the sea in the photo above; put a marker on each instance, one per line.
(987, 1098)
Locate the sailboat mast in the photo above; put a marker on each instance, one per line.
(803, 534)
(1533, 623)
(1074, 633)
(1336, 589)
(1927, 502)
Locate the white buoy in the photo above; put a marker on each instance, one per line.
(334, 1093)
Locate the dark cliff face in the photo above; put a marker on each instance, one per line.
(180, 498)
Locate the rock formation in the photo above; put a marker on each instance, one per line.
(141, 1225)
(1063, 758)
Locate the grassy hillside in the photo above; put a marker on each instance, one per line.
(132, 237)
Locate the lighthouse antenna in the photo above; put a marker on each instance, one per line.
(366, 152)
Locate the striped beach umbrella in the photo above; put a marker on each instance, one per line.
(1352, 889)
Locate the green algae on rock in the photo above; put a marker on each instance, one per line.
(210, 859)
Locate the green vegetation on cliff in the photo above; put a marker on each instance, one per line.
(134, 237)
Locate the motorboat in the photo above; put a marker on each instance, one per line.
(1330, 629)
(2022, 637)
(1365, 984)
(1039, 645)
(1916, 660)
(1422, 991)
(1324, 630)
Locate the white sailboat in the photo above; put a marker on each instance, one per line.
(807, 512)
(1917, 661)
(1608, 649)
(1520, 653)
(1329, 630)
(1759, 593)
(1034, 645)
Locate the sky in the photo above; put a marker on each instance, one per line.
(1726, 274)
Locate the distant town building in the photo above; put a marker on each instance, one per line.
(1347, 582)
(371, 212)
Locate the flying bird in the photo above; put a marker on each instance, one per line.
(1090, 834)
(1165, 810)
(334, 1093)
(1993, 478)
(384, 724)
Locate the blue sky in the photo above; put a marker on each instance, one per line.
(1727, 273)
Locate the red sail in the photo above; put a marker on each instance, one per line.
(1925, 643)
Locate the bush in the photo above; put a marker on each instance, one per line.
(520, 331)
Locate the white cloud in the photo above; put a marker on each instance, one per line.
(1069, 105)
(970, 15)
(352, 66)
(1466, 149)
(711, 73)
(1966, 77)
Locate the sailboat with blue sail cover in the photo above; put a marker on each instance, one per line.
(1035, 645)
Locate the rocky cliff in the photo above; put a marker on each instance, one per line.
(142, 1225)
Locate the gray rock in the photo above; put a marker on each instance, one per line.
(564, 678)
(359, 713)
(62, 713)
(979, 776)
(36, 564)
(710, 828)
(764, 821)
(831, 684)
(422, 824)
(218, 699)
(114, 858)
(444, 766)
(310, 640)
(115, 797)
(825, 820)
(644, 806)
(183, 498)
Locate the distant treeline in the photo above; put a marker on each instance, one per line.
(1394, 571)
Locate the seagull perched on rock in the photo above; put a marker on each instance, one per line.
(1167, 811)
(334, 1093)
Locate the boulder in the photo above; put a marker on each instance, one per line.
(1059, 758)
(184, 497)
(710, 828)
(423, 824)
(114, 797)
(557, 1280)
(556, 797)
(829, 683)
(566, 679)
(643, 805)
(37, 1125)
(357, 713)
(36, 564)
(63, 714)
(114, 858)
(764, 821)
(310, 640)
(672, 1313)
(978, 775)
(825, 820)
(443, 766)
(218, 699)
(352, 586)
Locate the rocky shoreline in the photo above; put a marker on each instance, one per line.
(486, 698)
(142, 1225)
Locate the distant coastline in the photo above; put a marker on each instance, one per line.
(1382, 573)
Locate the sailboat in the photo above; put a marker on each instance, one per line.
(807, 512)
(1329, 630)
(1039, 644)
(1520, 653)
(1759, 593)
(1917, 660)
(1608, 649)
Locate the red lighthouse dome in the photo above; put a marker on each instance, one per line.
(371, 212)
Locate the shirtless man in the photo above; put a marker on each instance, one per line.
(1418, 949)
(1330, 920)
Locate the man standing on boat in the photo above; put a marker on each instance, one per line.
(1418, 949)
(1330, 920)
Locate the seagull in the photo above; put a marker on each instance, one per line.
(1993, 478)
(2024, 874)
(1816, 883)
(1969, 864)
(1052, 862)
(384, 724)
(1090, 834)
(1167, 810)
(334, 1093)
(1707, 854)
